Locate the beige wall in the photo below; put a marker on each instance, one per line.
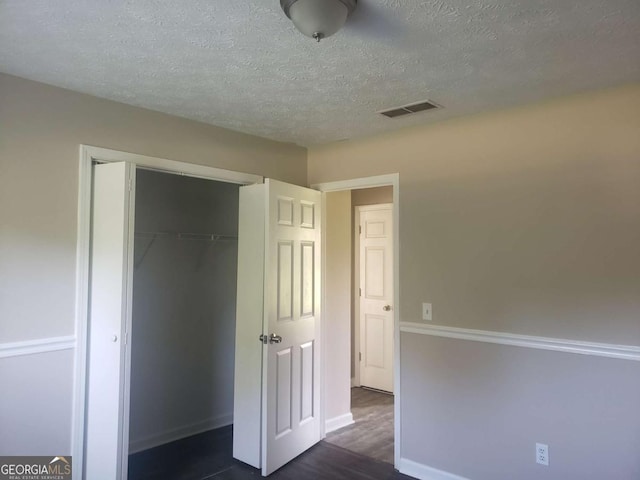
(523, 221)
(337, 319)
(372, 196)
(41, 128)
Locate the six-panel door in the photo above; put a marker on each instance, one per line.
(376, 299)
(292, 301)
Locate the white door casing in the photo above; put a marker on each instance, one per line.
(376, 296)
(109, 320)
(117, 198)
(276, 404)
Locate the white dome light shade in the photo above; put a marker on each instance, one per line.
(318, 18)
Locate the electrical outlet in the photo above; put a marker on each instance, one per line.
(426, 312)
(542, 454)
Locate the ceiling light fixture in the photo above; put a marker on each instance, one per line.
(318, 19)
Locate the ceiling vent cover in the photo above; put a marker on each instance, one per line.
(409, 109)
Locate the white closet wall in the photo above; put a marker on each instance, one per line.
(184, 298)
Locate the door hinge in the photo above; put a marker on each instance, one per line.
(360, 356)
(360, 291)
(360, 229)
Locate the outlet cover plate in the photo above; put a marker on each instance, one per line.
(542, 454)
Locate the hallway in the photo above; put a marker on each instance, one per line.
(372, 433)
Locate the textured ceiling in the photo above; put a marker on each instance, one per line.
(241, 64)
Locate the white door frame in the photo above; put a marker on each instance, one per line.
(88, 155)
(355, 299)
(392, 180)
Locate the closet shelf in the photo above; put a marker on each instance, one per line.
(213, 237)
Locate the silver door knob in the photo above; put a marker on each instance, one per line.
(273, 338)
(387, 308)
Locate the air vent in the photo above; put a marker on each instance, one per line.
(409, 109)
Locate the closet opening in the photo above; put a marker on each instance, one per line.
(183, 324)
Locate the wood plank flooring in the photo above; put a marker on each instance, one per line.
(209, 456)
(372, 433)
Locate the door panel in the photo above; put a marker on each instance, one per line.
(292, 281)
(285, 280)
(284, 390)
(376, 300)
(285, 211)
(307, 301)
(306, 381)
(109, 317)
(374, 273)
(374, 341)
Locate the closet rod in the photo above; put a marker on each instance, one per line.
(186, 235)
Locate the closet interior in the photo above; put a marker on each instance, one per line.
(184, 298)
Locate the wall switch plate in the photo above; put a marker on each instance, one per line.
(542, 454)
(427, 312)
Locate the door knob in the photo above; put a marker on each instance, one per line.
(387, 308)
(273, 338)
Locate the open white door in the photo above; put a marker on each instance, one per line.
(291, 391)
(376, 296)
(109, 320)
(276, 411)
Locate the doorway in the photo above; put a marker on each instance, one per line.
(371, 420)
(105, 307)
(183, 315)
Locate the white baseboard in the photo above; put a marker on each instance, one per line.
(424, 472)
(338, 422)
(151, 441)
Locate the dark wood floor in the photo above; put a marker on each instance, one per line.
(372, 433)
(209, 456)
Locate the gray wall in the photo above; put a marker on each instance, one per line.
(34, 404)
(41, 128)
(521, 221)
(478, 409)
(184, 295)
